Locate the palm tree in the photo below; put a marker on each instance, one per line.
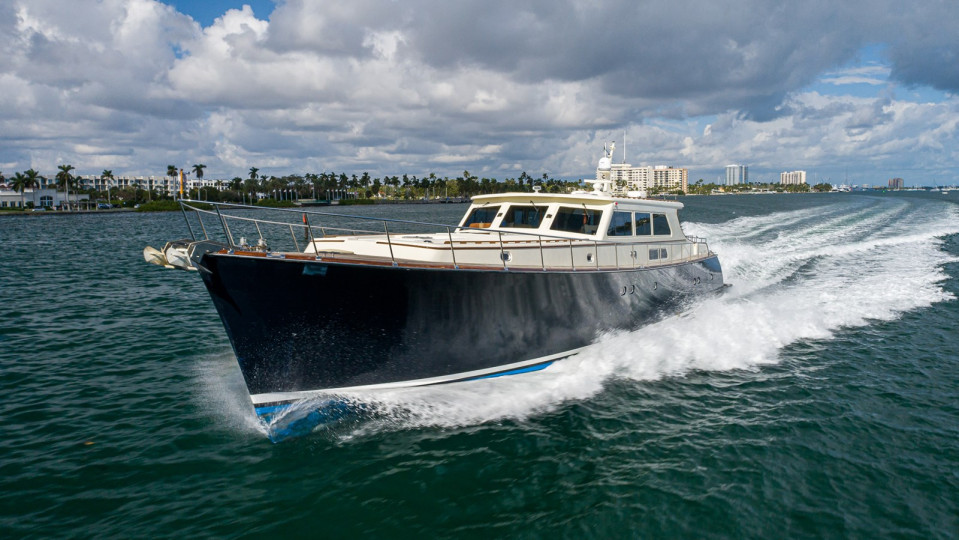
(253, 171)
(250, 187)
(198, 169)
(171, 172)
(33, 181)
(19, 183)
(65, 178)
(108, 175)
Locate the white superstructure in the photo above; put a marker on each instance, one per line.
(606, 227)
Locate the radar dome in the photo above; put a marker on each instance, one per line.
(604, 163)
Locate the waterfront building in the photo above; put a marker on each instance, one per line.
(46, 197)
(670, 178)
(645, 178)
(164, 185)
(896, 183)
(792, 178)
(737, 174)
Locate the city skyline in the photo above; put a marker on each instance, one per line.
(861, 91)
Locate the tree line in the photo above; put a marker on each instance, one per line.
(326, 185)
(306, 186)
(329, 184)
(702, 188)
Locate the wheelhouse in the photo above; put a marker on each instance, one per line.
(577, 217)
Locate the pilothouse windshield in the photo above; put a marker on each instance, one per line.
(523, 217)
(481, 218)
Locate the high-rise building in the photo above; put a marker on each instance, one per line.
(794, 178)
(737, 174)
(646, 178)
(896, 183)
(670, 178)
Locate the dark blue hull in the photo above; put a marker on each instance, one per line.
(302, 325)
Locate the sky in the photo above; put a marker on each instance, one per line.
(857, 91)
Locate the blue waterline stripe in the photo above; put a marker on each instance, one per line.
(260, 411)
(270, 409)
(514, 372)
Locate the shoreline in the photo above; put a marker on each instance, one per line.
(120, 211)
(65, 212)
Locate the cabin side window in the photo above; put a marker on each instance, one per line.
(661, 225)
(643, 224)
(523, 217)
(621, 224)
(576, 220)
(481, 218)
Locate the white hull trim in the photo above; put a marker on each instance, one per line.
(289, 397)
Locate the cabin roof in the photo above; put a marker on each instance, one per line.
(574, 198)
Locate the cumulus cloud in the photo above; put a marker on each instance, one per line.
(494, 86)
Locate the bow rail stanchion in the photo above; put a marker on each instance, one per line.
(296, 245)
(386, 226)
(449, 234)
(542, 257)
(309, 230)
(185, 218)
(502, 252)
(199, 217)
(226, 227)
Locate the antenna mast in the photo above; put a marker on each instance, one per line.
(624, 146)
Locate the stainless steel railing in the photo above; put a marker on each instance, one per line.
(236, 225)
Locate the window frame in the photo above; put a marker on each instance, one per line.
(610, 230)
(540, 213)
(661, 217)
(648, 226)
(468, 224)
(591, 212)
